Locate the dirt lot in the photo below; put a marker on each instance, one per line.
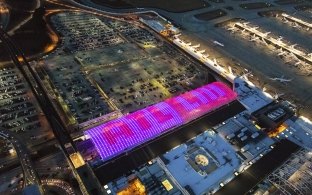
(211, 15)
(168, 5)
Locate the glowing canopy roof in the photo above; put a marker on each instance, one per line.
(129, 131)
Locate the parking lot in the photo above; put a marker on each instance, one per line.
(83, 32)
(79, 96)
(146, 81)
(19, 112)
(136, 68)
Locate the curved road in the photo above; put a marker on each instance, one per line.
(30, 176)
(60, 184)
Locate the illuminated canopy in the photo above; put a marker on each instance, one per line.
(129, 131)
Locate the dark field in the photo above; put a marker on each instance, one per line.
(167, 5)
(217, 1)
(286, 2)
(258, 5)
(32, 37)
(211, 15)
(21, 5)
(303, 7)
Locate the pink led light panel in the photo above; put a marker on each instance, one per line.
(129, 131)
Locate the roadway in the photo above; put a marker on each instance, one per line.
(59, 129)
(48, 149)
(29, 173)
(20, 61)
(64, 186)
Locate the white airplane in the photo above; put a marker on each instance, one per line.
(262, 39)
(230, 70)
(281, 79)
(232, 28)
(266, 33)
(294, 56)
(196, 46)
(293, 46)
(280, 38)
(296, 25)
(189, 44)
(218, 43)
(278, 95)
(297, 63)
(202, 51)
(245, 75)
(282, 53)
(215, 61)
(254, 28)
(245, 23)
(254, 38)
(177, 35)
(205, 55)
(285, 20)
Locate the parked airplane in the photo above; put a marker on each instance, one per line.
(298, 63)
(177, 35)
(262, 39)
(202, 51)
(266, 33)
(230, 70)
(293, 46)
(196, 46)
(282, 53)
(293, 56)
(254, 38)
(296, 25)
(254, 28)
(232, 28)
(278, 95)
(215, 61)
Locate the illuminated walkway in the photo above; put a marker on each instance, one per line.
(127, 132)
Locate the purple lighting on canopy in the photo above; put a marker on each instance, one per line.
(129, 131)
